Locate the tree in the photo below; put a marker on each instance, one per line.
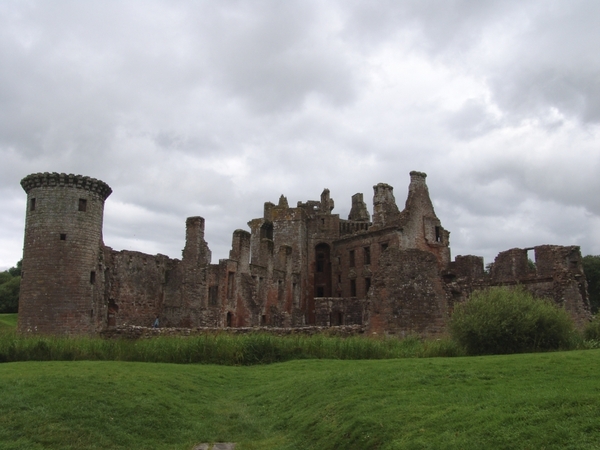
(591, 268)
(16, 271)
(10, 284)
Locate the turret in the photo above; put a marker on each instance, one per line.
(62, 284)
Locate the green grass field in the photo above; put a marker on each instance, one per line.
(528, 401)
(8, 321)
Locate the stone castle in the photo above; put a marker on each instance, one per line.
(297, 266)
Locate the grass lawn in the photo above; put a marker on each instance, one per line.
(527, 401)
(8, 321)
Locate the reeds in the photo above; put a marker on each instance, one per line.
(218, 348)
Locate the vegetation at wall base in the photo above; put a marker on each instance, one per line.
(218, 348)
(592, 331)
(502, 321)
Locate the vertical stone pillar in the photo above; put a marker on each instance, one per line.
(196, 251)
(385, 210)
(240, 250)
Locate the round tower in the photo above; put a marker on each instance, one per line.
(61, 288)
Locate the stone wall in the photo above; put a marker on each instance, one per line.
(338, 311)
(408, 295)
(136, 286)
(135, 332)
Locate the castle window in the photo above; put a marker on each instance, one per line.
(384, 247)
(92, 277)
(438, 234)
(352, 261)
(367, 253)
(63, 237)
(352, 288)
(367, 285)
(32, 204)
(82, 204)
(266, 231)
(213, 295)
(320, 291)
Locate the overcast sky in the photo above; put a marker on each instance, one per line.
(204, 108)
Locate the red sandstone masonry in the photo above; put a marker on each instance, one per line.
(62, 286)
(133, 332)
(298, 266)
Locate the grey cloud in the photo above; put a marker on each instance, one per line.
(198, 108)
(545, 54)
(274, 56)
(555, 63)
(471, 120)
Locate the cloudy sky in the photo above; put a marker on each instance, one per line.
(212, 108)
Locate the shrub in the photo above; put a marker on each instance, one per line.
(592, 330)
(500, 321)
(9, 295)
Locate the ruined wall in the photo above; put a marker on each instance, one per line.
(296, 267)
(408, 295)
(556, 274)
(336, 311)
(357, 260)
(135, 286)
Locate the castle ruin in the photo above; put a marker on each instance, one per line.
(297, 266)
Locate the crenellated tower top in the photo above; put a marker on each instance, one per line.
(66, 180)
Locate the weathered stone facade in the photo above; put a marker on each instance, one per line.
(296, 267)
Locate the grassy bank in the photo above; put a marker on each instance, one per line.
(531, 401)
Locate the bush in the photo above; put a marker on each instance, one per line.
(9, 295)
(501, 321)
(592, 330)
(591, 268)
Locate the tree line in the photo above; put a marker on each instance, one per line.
(10, 281)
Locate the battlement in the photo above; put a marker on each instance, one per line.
(66, 180)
